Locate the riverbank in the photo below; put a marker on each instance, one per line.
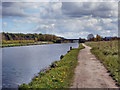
(107, 53)
(24, 44)
(59, 74)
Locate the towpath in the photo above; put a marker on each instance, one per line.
(90, 73)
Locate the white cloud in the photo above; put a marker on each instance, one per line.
(79, 27)
(108, 31)
(5, 23)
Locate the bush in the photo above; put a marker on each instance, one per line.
(62, 56)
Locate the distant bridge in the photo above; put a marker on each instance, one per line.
(73, 40)
(76, 40)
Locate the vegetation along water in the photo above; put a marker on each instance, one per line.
(20, 39)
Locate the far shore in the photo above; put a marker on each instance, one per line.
(24, 44)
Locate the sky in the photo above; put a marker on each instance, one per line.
(73, 19)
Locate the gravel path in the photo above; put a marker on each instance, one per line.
(90, 73)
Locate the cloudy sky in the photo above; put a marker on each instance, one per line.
(66, 19)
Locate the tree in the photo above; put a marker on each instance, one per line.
(98, 37)
(90, 37)
(36, 39)
(81, 40)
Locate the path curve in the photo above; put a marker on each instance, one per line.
(90, 73)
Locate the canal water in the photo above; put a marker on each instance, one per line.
(21, 64)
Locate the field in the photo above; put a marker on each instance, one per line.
(60, 76)
(107, 53)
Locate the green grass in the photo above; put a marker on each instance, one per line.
(59, 77)
(23, 44)
(107, 53)
(17, 41)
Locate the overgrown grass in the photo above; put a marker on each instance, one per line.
(107, 52)
(17, 41)
(22, 43)
(59, 77)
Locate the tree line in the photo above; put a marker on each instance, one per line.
(100, 38)
(35, 37)
(91, 37)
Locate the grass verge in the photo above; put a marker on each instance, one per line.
(61, 76)
(107, 53)
(23, 44)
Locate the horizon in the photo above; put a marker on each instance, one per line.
(60, 36)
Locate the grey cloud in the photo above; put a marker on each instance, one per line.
(11, 9)
(58, 10)
(96, 9)
(0, 8)
(46, 10)
(7, 4)
(16, 9)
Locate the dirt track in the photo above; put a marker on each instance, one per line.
(90, 73)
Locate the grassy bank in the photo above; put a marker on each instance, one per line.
(107, 52)
(17, 41)
(60, 76)
(13, 43)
